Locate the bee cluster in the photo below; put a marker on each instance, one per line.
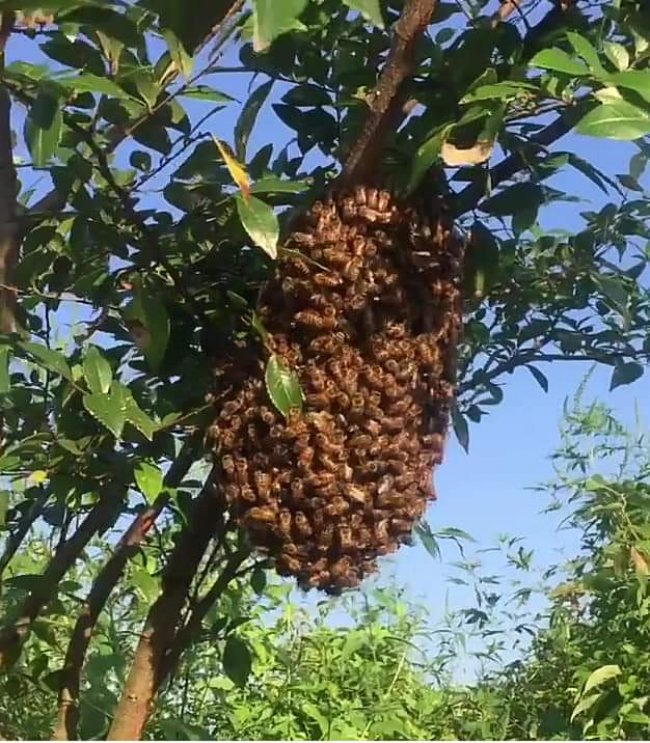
(365, 311)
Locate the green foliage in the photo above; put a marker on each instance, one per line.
(145, 246)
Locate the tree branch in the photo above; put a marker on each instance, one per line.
(148, 666)
(8, 192)
(385, 102)
(109, 576)
(12, 636)
(15, 539)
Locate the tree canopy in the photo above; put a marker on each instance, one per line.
(152, 159)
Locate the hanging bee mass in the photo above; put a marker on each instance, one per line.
(365, 310)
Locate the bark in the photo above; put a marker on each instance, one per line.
(68, 710)
(13, 635)
(15, 539)
(385, 102)
(148, 666)
(8, 193)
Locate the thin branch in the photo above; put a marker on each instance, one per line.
(13, 635)
(108, 577)
(15, 538)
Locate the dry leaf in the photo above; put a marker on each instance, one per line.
(235, 168)
(479, 153)
(640, 562)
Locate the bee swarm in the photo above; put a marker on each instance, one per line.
(364, 310)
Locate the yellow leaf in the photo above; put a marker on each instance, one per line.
(235, 168)
(640, 562)
(38, 476)
(479, 153)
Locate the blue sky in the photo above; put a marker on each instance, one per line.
(486, 491)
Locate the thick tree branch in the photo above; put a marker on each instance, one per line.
(109, 576)
(148, 666)
(385, 102)
(8, 193)
(101, 516)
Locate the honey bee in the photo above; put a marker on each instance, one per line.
(355, 493)
(372, 426)
(267, 416)
(241, 470)
(352, 269)
(260, 515)
(228, 465)
(328, 447)
(325, 536)
(300, 266)
(231, 492)
(317, 518)
(248, 494)
(393, 424)
(304, 239)
(338, 506)
(401, 527)
(327, 280)
(328, 491)
(303, 527)
(402, 482)
(263, 484)
(229, 408)
(360, 442)
(344, 535)
(283, 524)
(393, 392)
(287, 564)
(342, 571)
(381, 531)
(320, 480)
(363, 538)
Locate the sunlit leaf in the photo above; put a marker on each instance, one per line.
(283, 386)
(261, 223)
(149, 480)
(620, 120)
(248, 117)
(600, 675)
(559, 61)
(108, 410)
(97, 371)
(49, 358)
(235, 168)
(272, 19)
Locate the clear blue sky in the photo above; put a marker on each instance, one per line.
(483, 492)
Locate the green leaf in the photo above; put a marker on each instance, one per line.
(108, 410)
(183, 61)
(205, 93)
(369, 9)
(248, 117)
(625, 373)
(272, 19)
(258, 581)
(617, 55)
(97, 371)
(149, 322)
(428, 539)
(4, 506)
(540, 378)
(43, 128)
(615, 291)
(272, 184)
(427, 154)
(283, 386)
(88, 83)
(137, 417)
(261, 223)
(636, 80)
(237, 661)
(460, 428)
(584, 704)
(586, 50)
(520, 197)
(149, 480)
(5, 379)
(559, 61)
(618, 120)
(47, 357)
(600, 675)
